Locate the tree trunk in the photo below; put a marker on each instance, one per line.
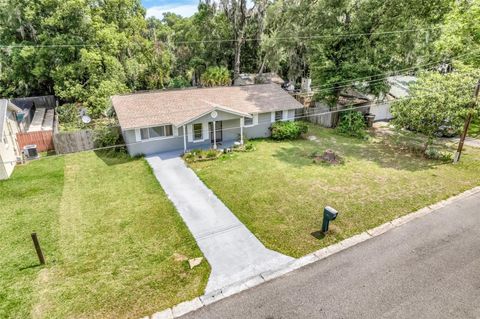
(238, 51)
(262, 66)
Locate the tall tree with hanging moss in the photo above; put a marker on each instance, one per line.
(358, 40)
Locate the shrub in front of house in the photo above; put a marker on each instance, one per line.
(352, 123)
(246, 147)
(288, 130)
(201, 155)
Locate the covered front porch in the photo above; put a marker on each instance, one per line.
(218, 129)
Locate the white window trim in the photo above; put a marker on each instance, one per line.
(138, 134)
(273, 116)
(190, 133)
(205, 134)
(254, 121)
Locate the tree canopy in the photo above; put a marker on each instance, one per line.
(84, 51)
(438, 102)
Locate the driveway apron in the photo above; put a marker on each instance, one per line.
(233, 252)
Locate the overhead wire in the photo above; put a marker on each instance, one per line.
(237, 127)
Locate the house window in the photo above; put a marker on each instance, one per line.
(156, 132)
(248, 121)
(278, 116)
(197, 131)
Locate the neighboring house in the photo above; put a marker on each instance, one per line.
(365, 103)
(161, 121)
(9, 151)
(254, 78)
(38, 113)
(398, 89)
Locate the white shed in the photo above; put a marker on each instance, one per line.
(9, 128)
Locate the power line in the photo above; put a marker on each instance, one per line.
(311, 37)
(263, 122)
(389, 73)
(349, 85)
(300, 93)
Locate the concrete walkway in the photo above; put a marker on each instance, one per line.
(426, 268)
(233, 252)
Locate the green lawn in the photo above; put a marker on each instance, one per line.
(113, 242)
(474, 130)
(279, 193)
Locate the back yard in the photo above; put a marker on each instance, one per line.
(114, 244)
(279, 193)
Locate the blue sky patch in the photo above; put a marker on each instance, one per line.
(157, 8)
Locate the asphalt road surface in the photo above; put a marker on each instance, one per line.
(427, 268)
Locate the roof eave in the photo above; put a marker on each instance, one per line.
(216, 108)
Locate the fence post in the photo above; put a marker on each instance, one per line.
(38, 249)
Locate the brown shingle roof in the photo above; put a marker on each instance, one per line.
(179, 106)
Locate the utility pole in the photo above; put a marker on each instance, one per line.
(458, 153)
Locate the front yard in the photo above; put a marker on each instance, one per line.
(114, 244)
(279, 193)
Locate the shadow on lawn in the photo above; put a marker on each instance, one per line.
(318, 234)
(35, 265)
(383, 155)
(114, 157)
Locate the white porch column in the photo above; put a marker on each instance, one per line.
(184, 138)
(242, 121)
(214, 136)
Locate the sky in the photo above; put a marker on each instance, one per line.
(156, 8)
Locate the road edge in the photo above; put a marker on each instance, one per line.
(227, 291)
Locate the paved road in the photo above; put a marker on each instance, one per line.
(428, 268)
(233, 252)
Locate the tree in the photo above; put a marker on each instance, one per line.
(76, 49)
(357, 44)
(461, 36)
(284, 48)
(239, 16)
(216, 76)
(438, 101)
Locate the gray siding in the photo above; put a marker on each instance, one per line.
(152, 147)
(230, 129)
(262, 129)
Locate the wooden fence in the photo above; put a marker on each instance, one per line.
(43, 140)
(71, 142)
(319, 115)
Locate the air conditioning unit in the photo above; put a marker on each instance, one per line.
(30, 151)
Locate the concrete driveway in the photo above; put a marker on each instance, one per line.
(427, 268)
(233, 252)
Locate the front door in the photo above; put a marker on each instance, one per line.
(218, 133)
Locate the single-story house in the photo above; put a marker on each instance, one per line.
(185, 119)
(399, 89)
(9, 151)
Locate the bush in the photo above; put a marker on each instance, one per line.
(249, 147)
(178, 82)
(288, 130)
(107, 136)
(211, 153)
(68, 115)
(434, 154)
(352, 123)
(216, 76)
(201, 155)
